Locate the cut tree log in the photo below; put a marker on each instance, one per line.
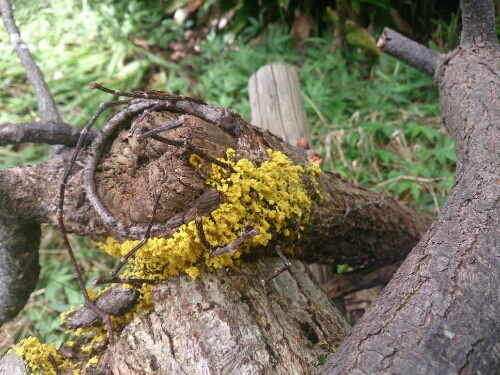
(366, 229)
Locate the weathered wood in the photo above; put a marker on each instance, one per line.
(226, 323)
(276, 103)
(12, 364)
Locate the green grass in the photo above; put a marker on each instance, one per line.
(373, 121)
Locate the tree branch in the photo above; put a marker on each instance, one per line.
(408, 51)
(382, 232)
(50, 132)
(46, 103)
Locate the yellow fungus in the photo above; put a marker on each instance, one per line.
(92, 361)
(271, 197)
(195, 161)
(37, 355)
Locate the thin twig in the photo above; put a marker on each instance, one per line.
(159, 129)
(46, 103)
(185, 143)
(277, 271)
(246, 233)
(125, 280)
(144, 114)
(201, 233)
(159, 95)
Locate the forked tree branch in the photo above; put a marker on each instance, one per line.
(46, 103)
(439, 313)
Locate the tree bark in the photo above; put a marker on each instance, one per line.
(226, 323)
(439, 314)
(376, 234)
(376, 225)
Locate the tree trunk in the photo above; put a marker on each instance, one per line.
(439, 314)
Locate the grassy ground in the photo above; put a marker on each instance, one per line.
(375, 121)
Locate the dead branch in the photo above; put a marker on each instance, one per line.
(383, 232)
(350, 282)
(50, 132)
(409, 51)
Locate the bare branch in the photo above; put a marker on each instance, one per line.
(50, 132)
(478, 23)
(46, 103)
(409, 51)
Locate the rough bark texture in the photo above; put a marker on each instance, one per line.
(373, 235)
(439, 314)
(377, 230)
(20, 268)
(284, 331)
(226, 323)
